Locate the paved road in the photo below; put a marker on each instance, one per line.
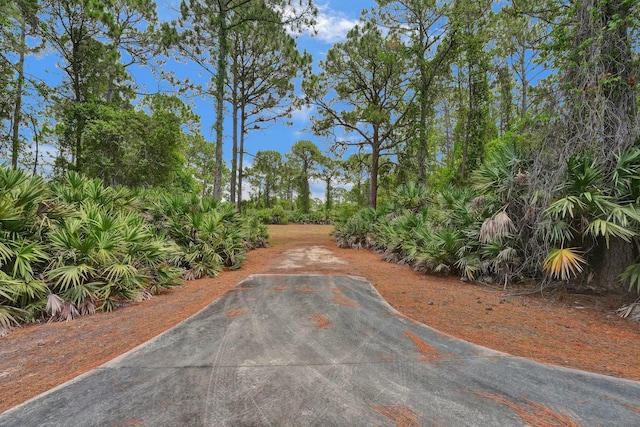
(287, 350)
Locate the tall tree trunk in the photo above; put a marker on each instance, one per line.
(328, 196)
(609, 263)
(525, 86)
(620, 120)
(17, 112)
(375, 163)
(234, 155)
(243, 119)
(467, 133)
(221, 78)
(36, 141)
(422, 139)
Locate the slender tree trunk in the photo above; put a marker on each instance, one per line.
(17, 112)
(525, 87)
(328, 201)
(243, 119)
(424, 83)
(375, 160)
(267, 193)
(220, 82)
(234, 155)
(76, 150)
(36, 141)
(306, 196)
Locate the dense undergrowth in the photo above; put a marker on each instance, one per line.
(280, 216)
(507, 229)
(74, 247)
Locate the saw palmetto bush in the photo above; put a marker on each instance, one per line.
(356, 231)
(509, 227)
(411, 196)
(24, 202)
(75, 246)
(102, 257)
(211, 234)
(591, 212)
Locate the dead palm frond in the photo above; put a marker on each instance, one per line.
(9, 318)
(61, 309)
(498, 226)
(630, 310)
(564, 263)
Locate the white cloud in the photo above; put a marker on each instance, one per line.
(302, 115)
(318, 189)
(332, 26)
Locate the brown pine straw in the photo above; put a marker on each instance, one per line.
(428, 353)
(306, 290)
(533, 414)
(280, 288)
(320, 321)
(236, 312)
(339, 298)
(401, 414)
(633, 408)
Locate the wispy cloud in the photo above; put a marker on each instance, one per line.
(301, 116)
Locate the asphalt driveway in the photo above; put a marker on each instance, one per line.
(290, 350)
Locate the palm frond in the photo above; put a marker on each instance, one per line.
(69, 276)
(9, 319)
(496, 227)
(564, 263)
(631, 275)
(607, 229)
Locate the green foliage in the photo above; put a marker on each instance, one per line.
(212, 235)
(362, 91)
(306, 154)
(500, 231)
(23, 203)
(355, 231)
(411, 196)
(75, 246)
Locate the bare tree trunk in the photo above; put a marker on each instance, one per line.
(221, 78)
(234, 150)
(422, 140)
(17, 112)
(375, 160)
(609, 263)
(36, 140)
(243, 119)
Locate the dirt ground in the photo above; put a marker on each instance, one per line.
(576, 331)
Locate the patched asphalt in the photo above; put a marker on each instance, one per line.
(292, 350)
